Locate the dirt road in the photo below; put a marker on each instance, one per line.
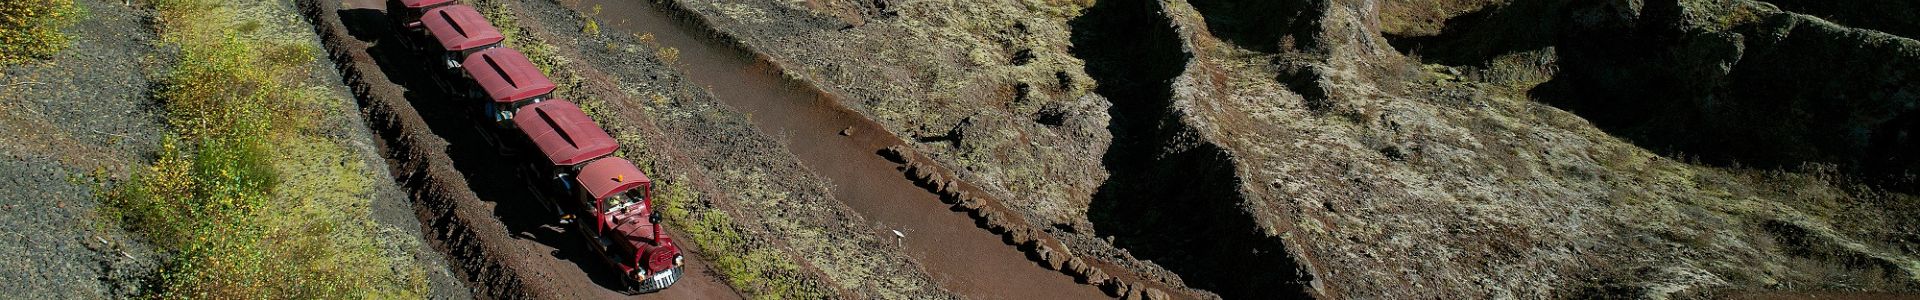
(552, 264)
(962, 257)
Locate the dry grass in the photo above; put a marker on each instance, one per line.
(922, 72)
(1425, 17)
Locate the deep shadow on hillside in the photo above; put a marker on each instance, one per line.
(1263, 25)
(1777, 92)
(1891, 16)
(1172, 198)
(1479, 36)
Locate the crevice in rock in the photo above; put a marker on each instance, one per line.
(1269, 26)
(1172, 197)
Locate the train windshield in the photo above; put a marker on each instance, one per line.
(620, 201)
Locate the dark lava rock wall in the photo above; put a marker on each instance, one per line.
(1778, 90)
(1170, 188)
(1729, 83)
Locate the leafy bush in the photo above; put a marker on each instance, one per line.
(249, 199)
(30, 29)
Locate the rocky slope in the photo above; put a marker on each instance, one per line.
(1380, 174)
(1403, 148)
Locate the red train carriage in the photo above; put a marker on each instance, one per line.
(456, 32)
(508, 80)
(613, 192)
(406, 12)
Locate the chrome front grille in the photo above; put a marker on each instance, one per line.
(661, 281)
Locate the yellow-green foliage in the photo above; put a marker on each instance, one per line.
(592, 27)
(31, 28)
(763, 272)
(502, 17)
(250, 200)
(667, 54)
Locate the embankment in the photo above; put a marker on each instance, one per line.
(457, 222)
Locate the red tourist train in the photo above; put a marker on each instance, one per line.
(579, 168)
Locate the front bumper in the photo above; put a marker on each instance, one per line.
(659, 281)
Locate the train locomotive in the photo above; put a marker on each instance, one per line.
(604, 198)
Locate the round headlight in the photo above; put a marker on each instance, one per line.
(640, 273)
(677, 259)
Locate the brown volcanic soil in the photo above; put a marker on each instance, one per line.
(1403, 149)
(500, 246)
(961, 258)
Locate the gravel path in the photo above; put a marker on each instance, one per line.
(85, 117)
(53, 248)
(82, 114)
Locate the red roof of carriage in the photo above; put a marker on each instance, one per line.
(460, 27)
(506, 75)
(605, 176)
(416, 4)
(564, 133)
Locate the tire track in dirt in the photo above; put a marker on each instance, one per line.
(496, 241)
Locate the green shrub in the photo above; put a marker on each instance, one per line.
(764, 273)
(30, 29)
(249, 199)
